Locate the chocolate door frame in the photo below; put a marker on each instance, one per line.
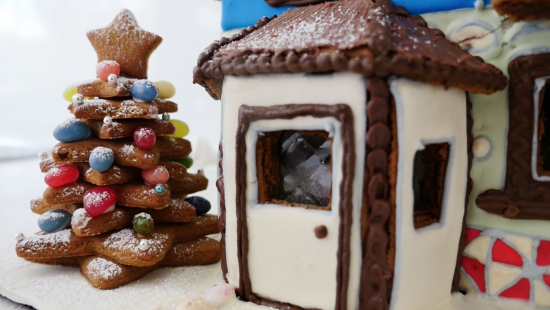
(342, 113)
(523, 197)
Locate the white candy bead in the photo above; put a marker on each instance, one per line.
(19, 237)
(80, 214)
(479, 4)
(112, 78)
(108, 120)
(144, 245)
(43, 155)
(481, 147)
(219, 294)
(78, 98)
(194, 303)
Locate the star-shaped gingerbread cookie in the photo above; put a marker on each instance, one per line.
(124, 42)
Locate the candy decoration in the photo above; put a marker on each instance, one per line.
(144, 91)
(219, 294)
(54, 220)
(144, 245)
(107, 121)
(476, 271)
(101, 158)
(157, 175)
(166, 89)
(42, 155)
(71, 130)
(61, 175)
(201, 205)
(19, 237)
(518, 291)
(112, 78)
(80, 214)
(182, 129)
(145, 137)
(77, 99)
(106, 68)
(143, 224)
(165, 116)
(69, 92)
(186, 161)
(99, 200)
(503, 253)
(159, 189)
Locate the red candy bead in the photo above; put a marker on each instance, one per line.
(61, 175)
(106, 67)
(98, 200)
(144, 137)
(157, 175)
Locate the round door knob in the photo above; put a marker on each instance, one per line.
(321, 231)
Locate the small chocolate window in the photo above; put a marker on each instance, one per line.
(429, 174)
(294, 168)
(543, 164)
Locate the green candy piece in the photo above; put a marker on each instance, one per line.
(143, 224)
(186, 161)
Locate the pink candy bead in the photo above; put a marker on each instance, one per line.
(61, 175)
(144, 137)
(98, 200)
(157, 175)
(106, 67)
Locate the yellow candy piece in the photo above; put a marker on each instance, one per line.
(166, 89)
(182, 129)
(69, 92)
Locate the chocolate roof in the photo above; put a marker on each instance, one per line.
(523, 10)
(362, 36)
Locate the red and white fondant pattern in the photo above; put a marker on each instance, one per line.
(507, 265)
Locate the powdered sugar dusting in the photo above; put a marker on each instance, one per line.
(126, 240)
(145, 215)
(57, 241)
(101, 268)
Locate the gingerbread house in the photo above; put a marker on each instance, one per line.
(345, 156)
(508, 252)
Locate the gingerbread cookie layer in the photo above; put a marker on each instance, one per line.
(103, 273)
(121, 109)
(127, 154)
(122, 246)
(125, 128)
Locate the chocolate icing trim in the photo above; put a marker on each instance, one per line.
(390, 43)
(523, 197)
(342, 113)
(523, 10)
(278, 3)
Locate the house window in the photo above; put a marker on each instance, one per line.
(543, 162)
(294, 168)
(429, 172)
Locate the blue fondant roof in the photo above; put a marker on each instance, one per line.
(244, 13)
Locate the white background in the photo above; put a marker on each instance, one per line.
(44, 48)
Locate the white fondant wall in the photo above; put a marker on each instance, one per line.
(277, 89)
(425, 258)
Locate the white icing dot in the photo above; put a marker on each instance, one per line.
(112, 78)
(108, 120)
(479, 4)
(80, 214)
(145, 215)
(19, 237)
(43, 155)
(78, 98)
(144, 245)
(481, 147)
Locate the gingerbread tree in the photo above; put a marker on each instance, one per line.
(117, 204)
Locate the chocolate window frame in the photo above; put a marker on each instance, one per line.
(342, 113)
(523, 197)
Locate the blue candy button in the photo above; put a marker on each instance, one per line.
(144, 91)
(54, 220)
(101, 158)
(201, 205)
(71, 130)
